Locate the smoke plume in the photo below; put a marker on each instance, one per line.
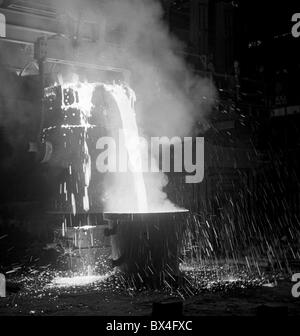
(171, 99)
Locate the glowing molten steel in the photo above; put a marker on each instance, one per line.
(136, 193)
(125, 99)
(131, 188)
(82, 102)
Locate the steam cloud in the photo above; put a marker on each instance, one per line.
(171, 99)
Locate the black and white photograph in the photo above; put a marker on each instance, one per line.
(149, 168)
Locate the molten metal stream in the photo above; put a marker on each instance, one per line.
(125, 99)
(132, 143)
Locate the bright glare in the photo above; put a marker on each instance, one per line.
(77, 280)
(125, 99)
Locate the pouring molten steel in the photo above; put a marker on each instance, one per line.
(78, 110)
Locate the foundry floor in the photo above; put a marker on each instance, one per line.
(241, 302)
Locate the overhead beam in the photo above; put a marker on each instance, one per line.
(34, 25)
(23, 29)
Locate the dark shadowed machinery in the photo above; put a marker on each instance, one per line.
(147, 246)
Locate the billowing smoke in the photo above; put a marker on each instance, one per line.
(171, 99)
